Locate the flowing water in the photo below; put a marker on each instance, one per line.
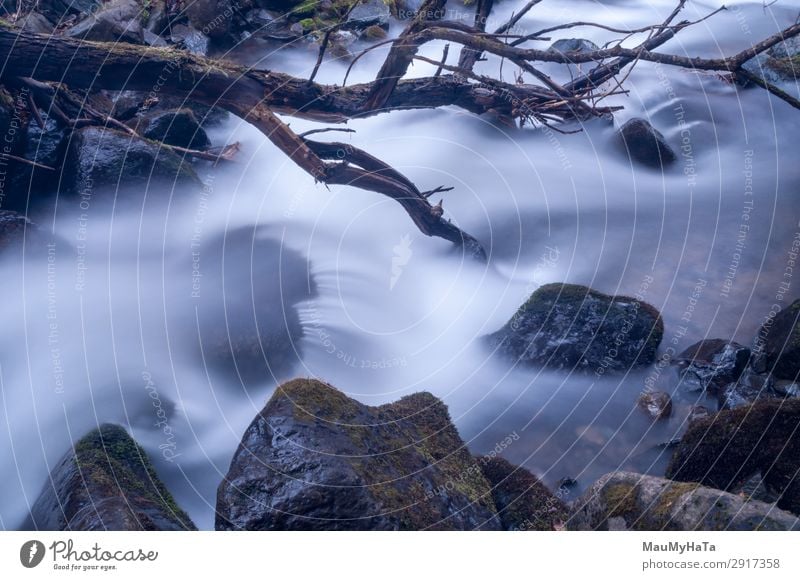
(105, 325)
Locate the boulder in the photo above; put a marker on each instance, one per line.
(190, 38)
(369, 13)
(36, 23)
(247, 291)
(566, 326)
(117, 21)
(99, 157)
(106, 483)
(657, 404)
(781, 63)
(631, 501)
(727, 449)
(46, 147)
(777, 346)
(645, 144)
(212, 18)
(712, 364)
(747, 389)
(523, 502)
(14, 229)
(314, 459)
(58, 10)
(178, 128)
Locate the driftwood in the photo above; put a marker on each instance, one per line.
(258, 96)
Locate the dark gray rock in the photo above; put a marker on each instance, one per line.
(106, 483)
(631, 501)
(728, 448)
(645, 144)
(36, 23)
(749, 388)
(43, 146)
(777, 345)
(247, 294)
(370, 13)
(213, 18)
(314, 459)
(58, 10)
(99, 157)
(14, 229)
(117, 21)
(172, 127)
(566, 326)
(191, 39)
(711, 364)
(523, 502)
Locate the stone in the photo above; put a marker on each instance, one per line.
(369, 13)
(565, 326)
(749, 388)
(36, 23)
(726, 449)
(46, 147)
(189, 38)
(712, 364)
(777, 345)
(631, 501)
(106, 482)
(645, 144)
(523, 502)
(117, 21)
(99, 157)
(172, 127)
(315, 459)
(573, 45)
(657, 404)
(213, 18)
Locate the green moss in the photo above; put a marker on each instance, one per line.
(620, 498)
(788, 67)
(314, 398)
(108, 457)
(669, 497)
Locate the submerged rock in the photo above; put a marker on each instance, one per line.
(179, 128)
(777, 346)
(106, 483)
(100, 157)
(566, 326)
(314, 459)
(631, 501)
(247, 286)
(657, 404)
(645, 144)
(712, 364)
(523, 502)
(727, 449)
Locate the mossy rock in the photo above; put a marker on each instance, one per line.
(566, 326)
(727, 449)
(106, 483)
(777, 345)
(315, 459)
(523, 502)
(632, 501)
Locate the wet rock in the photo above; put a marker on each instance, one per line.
(173, 128)
(566, 326)
(189, 38)
(631, 501)
(657, 404)
(573, 45)
(14, 229)
(247, 286)
(213, 18)
(106, 483)
(777, 345)
(314, 459)
(697, 412)
(725, 450)
(374, 32)
(749, 388)
(57, 10)
(779, 64)
(369, 13)
(117, 21)
(99, 157)
(36, 23)
(522, 501)
(645, 144)
(45, 146)
(787, 388)
(712, 364)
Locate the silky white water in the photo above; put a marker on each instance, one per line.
(105, 329)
